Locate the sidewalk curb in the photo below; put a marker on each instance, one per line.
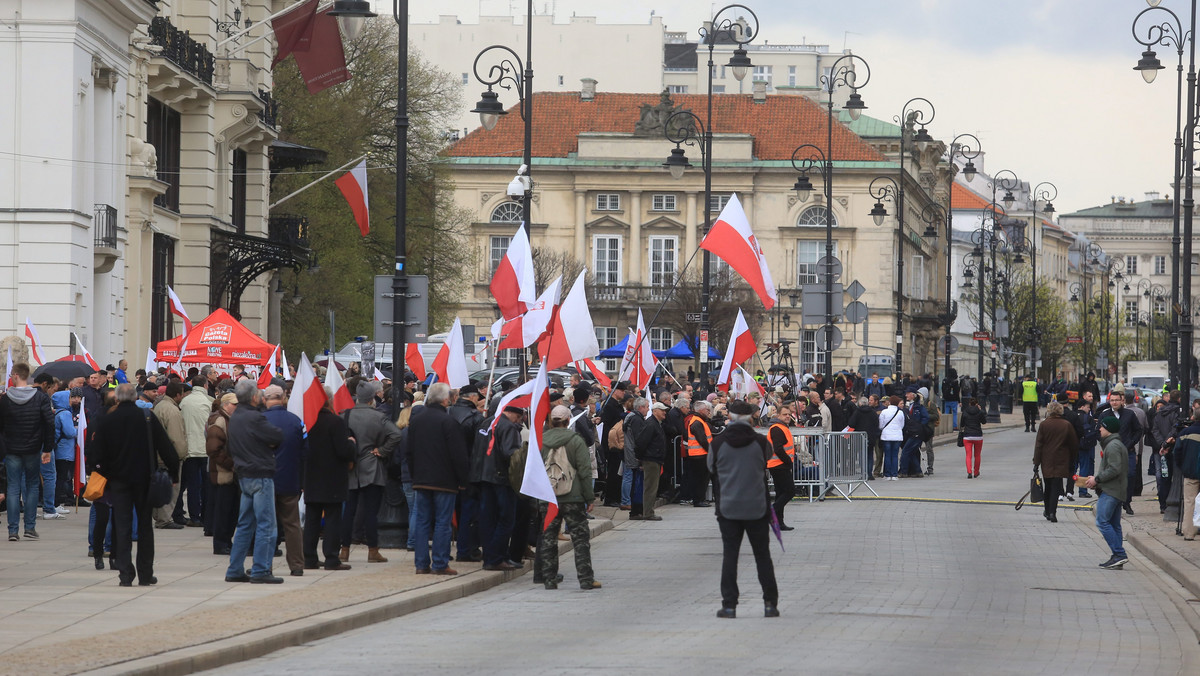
(1168, 561)
(266, 640)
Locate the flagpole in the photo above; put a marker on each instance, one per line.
(487, 400)
(252, 26)
(331, 173)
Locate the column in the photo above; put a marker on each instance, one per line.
(580, 230)
(689, 242)
(634, 272)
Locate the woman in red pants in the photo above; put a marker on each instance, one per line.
(970, 426)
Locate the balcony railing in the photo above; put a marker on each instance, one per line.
(270, 111)
(104, 226)
(288, 229)
(179, 48)
(626, 294)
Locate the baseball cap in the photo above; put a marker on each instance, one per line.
(560, 413)
(659, 406)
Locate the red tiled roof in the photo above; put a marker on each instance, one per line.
(778, 125)
(965, 198)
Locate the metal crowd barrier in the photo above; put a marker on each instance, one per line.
(842, 463)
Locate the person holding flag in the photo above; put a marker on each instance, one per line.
(573, 504)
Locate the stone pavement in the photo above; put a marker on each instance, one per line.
(879, 586)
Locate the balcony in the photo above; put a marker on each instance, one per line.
(179, 48)
(269, 115)
(104, 235)
(927, 309)
(626, 294)
(288, 229)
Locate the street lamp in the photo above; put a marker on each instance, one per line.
(1042, 192)
(1161, 26)
(966, 146)
(681, 129)
(935, 214)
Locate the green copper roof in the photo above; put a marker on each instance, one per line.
(869, 127)
(1138, 210)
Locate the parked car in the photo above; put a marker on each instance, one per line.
(510, 374)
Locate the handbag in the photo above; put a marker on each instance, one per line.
(161, 489)
(1037, 490)
(96, 483)
(960, 439)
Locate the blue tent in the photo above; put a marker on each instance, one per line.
(616, 351)
(682, 350)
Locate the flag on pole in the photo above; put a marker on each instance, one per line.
(590, 365)
(341, 394)
(151, 361)
(519, 397)
(178, 311)
(639, 362)
(287, 371)
(741, 347)
(293, 30)
(308, 395)
(353, 185)
(731, 240)
(450, 364)
(35, 343)
(80, 477)
(268, 372)
(8, 368)
(414, 361)
(531, 326)
(513, 283)
(535, 482)
(571, 335)
(323, 64)
(87, 356)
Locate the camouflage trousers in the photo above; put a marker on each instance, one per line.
(575, 514)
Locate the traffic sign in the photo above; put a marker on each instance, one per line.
(1102, 353)
(828, 266)
(856, 312)
(1074, 339)
(947, 345)
(1035, 353)
(704, 345)
(981, 335)
(691, 317)
(856, 290)
(836, 337)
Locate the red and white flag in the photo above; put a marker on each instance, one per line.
(520, 397)
(287, 372)
(414, 361)
(513, 284)
(268, 372)
(535, 482)
(308, 395)
(450, 364)
(87, 356)
(571, 336)
(731, 239)
(585, 366)
(353, 185)
(293, 30)
(80, 477)
(341, 394)
(741, 347)
(35, 343)
(178, 311)
(323, 63)
(151, 361)
(638, 364)
(8, 369)
(531, 326)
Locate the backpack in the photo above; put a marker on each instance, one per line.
(560, 471)
(616, 436)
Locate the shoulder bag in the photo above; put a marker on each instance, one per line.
(160, 491)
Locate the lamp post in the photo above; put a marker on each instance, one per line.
(1047, 192)
(680, 129)
(1115, 273)
(1079, 295)
(985, 238)
(934, 215)
(966, 146)
(1007, 180)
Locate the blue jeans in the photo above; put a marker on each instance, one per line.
(409, 494)
(497, 512)
(23, 477)
(891, 457)
(626, 485)
(910, 456)
(49, 483)
(951, 407)
(1087, 466)
(1108, 520)
(256, 520)
(435, 509)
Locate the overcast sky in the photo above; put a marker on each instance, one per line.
(1047, 85)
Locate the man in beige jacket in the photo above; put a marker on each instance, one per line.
(195, 407)
(168, 413)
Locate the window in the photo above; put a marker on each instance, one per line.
(826, 76)
(807, 254)
(662, 203)
(1131, 265)
(763, 74)
(663, 258)
(791, 76)
(1160, 265)
(498, 248)
(608, 201)
(606, 336)
(917, 286)
(661, 339)
(466, 78)
(1131, 312)
(718, 89)
(238, 194)
(812, 356)
(814, 217)
(1160, 306)
(606, 260)
(507, 212)
(717, 203)
(162, 132)
(677, 89)
(162, 276)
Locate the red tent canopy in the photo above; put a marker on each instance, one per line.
(218, 339)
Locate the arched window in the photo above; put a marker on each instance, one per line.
(507, 212)
(814, 217)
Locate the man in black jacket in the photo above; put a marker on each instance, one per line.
(438, 463)
(125, 442)
(466, 413)
(27, 428)
(611, 414)
(251, 443)
(497, 500)
(650, 448)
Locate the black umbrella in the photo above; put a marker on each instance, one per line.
(65, 371)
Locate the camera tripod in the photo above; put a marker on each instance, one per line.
(779, 355)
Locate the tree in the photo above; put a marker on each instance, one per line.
(353, 119)
(727, 294)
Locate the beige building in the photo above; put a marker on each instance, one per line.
(602, 196)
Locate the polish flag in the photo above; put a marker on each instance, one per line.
(151, 361)
(535, 483)
(450, 364)
(519, 396)
(341, 394)
(589, 365)
(80, 441)
(741, 347)
(178, 311)
(287, 372)
(531, 326)
(35, 343)
(732, 241)
(379, 375)
(87, 356)
(572, 336)
(513, 284)
(638, 364)
(353, 185)
(308, 395)
(414, 361)
(268, 372)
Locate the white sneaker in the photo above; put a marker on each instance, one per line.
(53, 515)
(62, 509)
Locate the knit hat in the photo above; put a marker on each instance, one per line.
(739, 407)
(1111, 423)
(924, 392)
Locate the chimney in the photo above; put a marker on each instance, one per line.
(587, 90)
(1151, 195)
(760, 91)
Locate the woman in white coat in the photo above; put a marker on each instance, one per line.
(891, 436)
